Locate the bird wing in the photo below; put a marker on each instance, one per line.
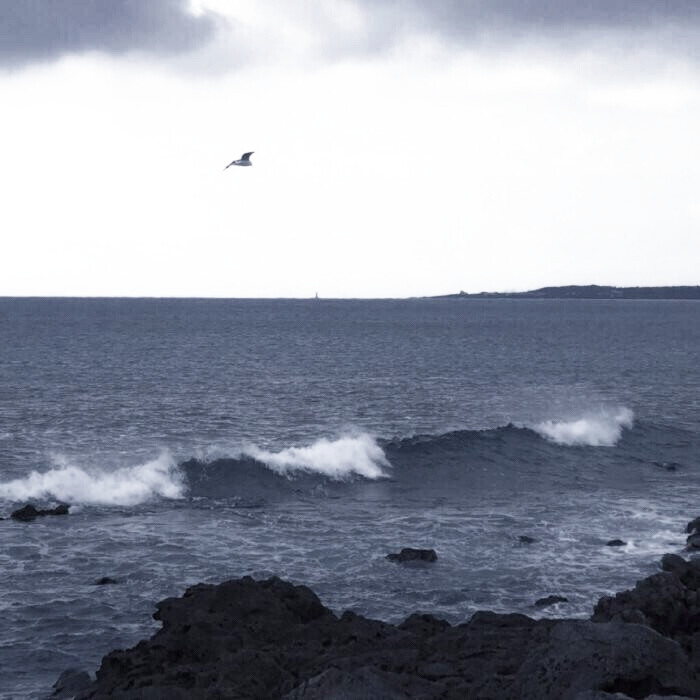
(246, 156)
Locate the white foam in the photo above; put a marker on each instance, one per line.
(125, 486)
(602, 428)
(337, 459)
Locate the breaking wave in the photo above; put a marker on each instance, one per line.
(600, 429)
(251, 467)
(125, 486)
(357, 455)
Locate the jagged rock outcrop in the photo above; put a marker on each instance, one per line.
(612, 657)
(693, 526)
(271, 639)
(668, 602)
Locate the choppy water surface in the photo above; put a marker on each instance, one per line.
(202, 440)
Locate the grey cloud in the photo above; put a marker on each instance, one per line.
(475, 15)
(40, 30)
(619, 26)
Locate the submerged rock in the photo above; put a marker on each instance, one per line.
(668, 466)
(271, 639)
(29, 512)
(526, 539)
(410, 554)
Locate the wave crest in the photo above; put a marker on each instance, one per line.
(600, 429)
(126, 486)
(338, 459)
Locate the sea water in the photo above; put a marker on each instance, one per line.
(201, 440)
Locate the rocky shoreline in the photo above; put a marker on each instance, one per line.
(272, 639)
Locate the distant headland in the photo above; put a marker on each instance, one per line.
(587, 291)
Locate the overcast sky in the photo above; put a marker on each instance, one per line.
(402, 148)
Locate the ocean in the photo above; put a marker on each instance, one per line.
(203, 440)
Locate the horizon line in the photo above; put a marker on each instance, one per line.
(330, 298)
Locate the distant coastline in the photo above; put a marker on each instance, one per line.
(588, 291)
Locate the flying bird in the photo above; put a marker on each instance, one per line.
(243, 160)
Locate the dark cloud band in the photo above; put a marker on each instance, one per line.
(472, 15)
(669, 26)
(35, 30)
(41, 30)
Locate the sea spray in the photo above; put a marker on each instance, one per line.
(602, 428)
(124, 486)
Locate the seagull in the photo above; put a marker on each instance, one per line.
(243, 160)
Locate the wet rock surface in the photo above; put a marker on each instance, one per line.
(550, 600)
(105, 581)
(668, 602)
(71, 683)
(408, 554)
(693, 541)
(271, 639)
(668, 466)
(30, 512)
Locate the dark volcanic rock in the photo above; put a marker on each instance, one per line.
(29, 512)
(271, 639)
(364, 682)
(615, 543)
(70, 683)
(668, 466)
(613, 657)
(693, 526)
(693, 541)
(687, 571)
(674, 564)
(410, 554)
(550, 600)
(668, 602)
